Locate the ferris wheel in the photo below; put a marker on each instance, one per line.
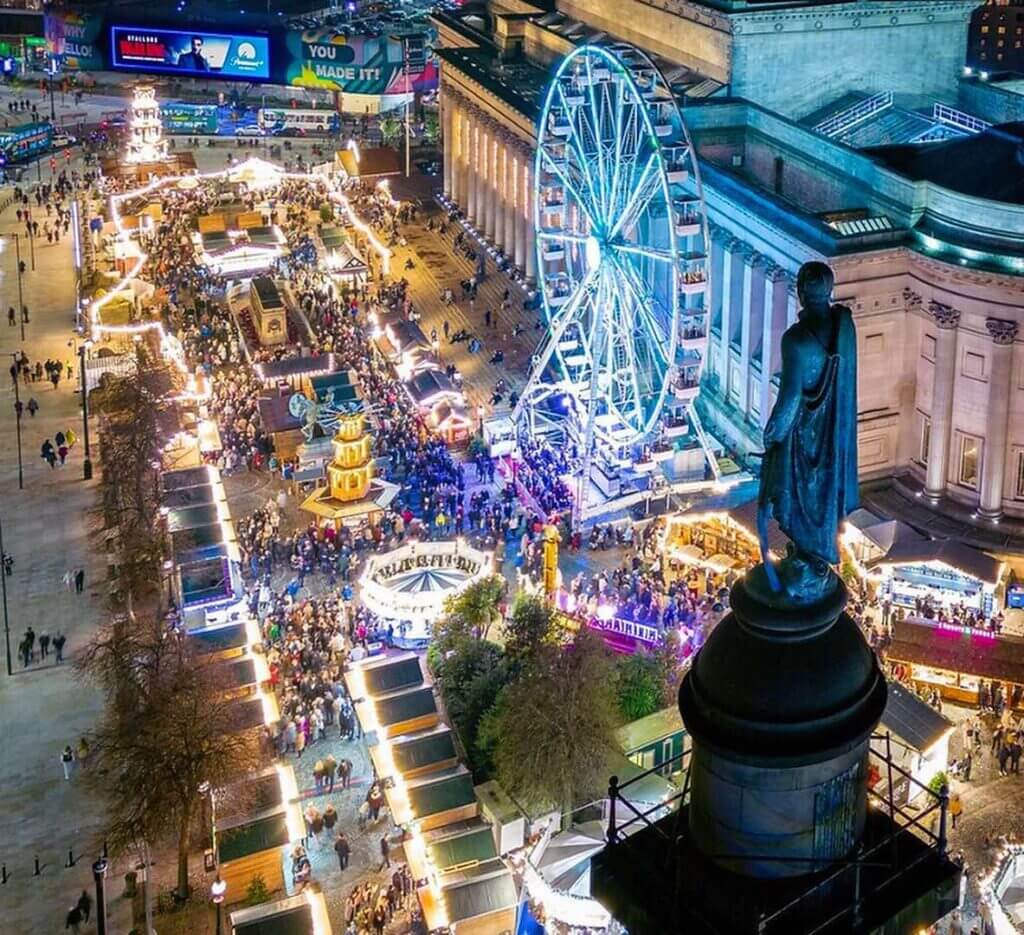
(622, 250)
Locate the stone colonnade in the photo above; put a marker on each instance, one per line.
(754, 302)
(1000, 391)
(488, 173)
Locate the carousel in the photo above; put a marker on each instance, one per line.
(409, 586)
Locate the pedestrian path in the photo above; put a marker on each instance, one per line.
(46, 529)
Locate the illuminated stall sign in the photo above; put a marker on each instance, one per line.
(200, 54)
(356, 64)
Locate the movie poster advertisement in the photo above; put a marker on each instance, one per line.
(353, 65)
(194, 53)
(75, 39)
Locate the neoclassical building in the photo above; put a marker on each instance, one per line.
(926, 239)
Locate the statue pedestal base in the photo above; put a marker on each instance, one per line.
(781, 703)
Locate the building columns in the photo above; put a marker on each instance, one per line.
(771, 335)
(447, 138)
(521, 205)
(472, 159)
(730, 250)
(531, 254)
(509, 193)
(946, 320)
(993, 463)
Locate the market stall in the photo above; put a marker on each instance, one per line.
(935, 575)
(963, 664)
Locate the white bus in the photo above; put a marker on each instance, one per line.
(285, 121)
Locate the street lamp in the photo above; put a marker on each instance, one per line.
(217, 890)
(480, 415)
(21, 272)
(17, 418)
(87, 463)
(3, 588)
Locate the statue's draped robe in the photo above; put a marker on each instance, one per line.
(810, 477)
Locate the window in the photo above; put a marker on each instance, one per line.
(1018, 490)
(926, 439)
(970, 461)
(984, 30)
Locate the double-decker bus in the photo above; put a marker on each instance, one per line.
(285, 121)
(178, 117)
(19, 144)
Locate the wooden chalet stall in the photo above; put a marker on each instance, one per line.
(391, 695)
(302, 914)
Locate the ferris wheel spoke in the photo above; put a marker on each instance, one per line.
(597, 110)
(649, 253)
(562, 236)
(627, 346)
(570, 187)
(576, 142)
(644, 304)
(639, 197)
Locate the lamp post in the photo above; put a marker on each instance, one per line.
(3, 588)
(21, 272)
(87, 463)
(99, 873)
(17, 421)
(217, 889)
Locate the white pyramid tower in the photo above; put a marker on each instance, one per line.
(146, 141)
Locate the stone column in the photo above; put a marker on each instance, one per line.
(531, 256)
(501, 190)
(472, 177)
(730, 249)
(492, 179)
(946, 321)
(509, 194)
(447, 139)
(773, 317)
(993, 462)
(522, 205)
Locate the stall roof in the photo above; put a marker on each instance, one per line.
(245, 714)
(275, 416)
(198, 556)
(415, 751)
(912, 720)
(234, 673)
(184, 478)
(205, 581)
(219, 640)
(199, 537)
(255, 793)
(976, 653)
(295, 367)
(647, 730)
(290, 916)
(746, 515)
(489, 890)
(445, 412)
(863, 519)
(404, 705)
(408, 335)
(909, 548)
(264, 235)
(185, 497)
(386, 674)
(441, 792)
(466, 847)
(332, 235)
(430, 383)
(253, 837)
(192, 517)
(266, 289)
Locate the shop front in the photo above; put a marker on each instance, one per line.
(963, 664)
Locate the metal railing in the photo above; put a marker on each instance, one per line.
(849, 118)
(957, 118)
(879, 855)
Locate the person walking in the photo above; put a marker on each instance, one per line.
(85, 906)
(80, 581)
(385, 852)
(955, 808)
(58, 647)
(73, 921)
(33, 407)
(67, 760)
(342, 849)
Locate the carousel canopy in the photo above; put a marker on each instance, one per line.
(273, 370)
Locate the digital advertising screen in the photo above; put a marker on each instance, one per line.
(200, 54)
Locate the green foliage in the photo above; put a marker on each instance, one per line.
(554, 727)
(391, 128)
(257, 891)
(477, 605)
(668, 657)
(326, 212)
(937, 781)
(431, 129)
(477, 446)
(532, 626)
(639, 686)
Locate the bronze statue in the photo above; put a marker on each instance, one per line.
(809, 472)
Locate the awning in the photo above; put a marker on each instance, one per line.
(957, 649)
(687, 554)
(720, 562)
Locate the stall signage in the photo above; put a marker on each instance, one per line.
(445, 560)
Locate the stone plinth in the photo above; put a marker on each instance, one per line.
(781, 704)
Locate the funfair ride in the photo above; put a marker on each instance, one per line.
(146, 141)
(622, 255)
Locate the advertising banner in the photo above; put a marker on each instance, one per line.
(74, 38)
(322, 58)
(199, 54)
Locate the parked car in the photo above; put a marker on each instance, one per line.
(249, 130)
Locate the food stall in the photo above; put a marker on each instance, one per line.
(916, 571)
(716, 541)
(960, 662)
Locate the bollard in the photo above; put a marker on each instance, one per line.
(38, 870)
(3, 873)
(105, 850)
(70, 860)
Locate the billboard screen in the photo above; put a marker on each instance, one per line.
(74, 38)
(352, 64)
(200, 54)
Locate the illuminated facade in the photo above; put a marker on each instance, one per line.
(930, 260)
(146, 141)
